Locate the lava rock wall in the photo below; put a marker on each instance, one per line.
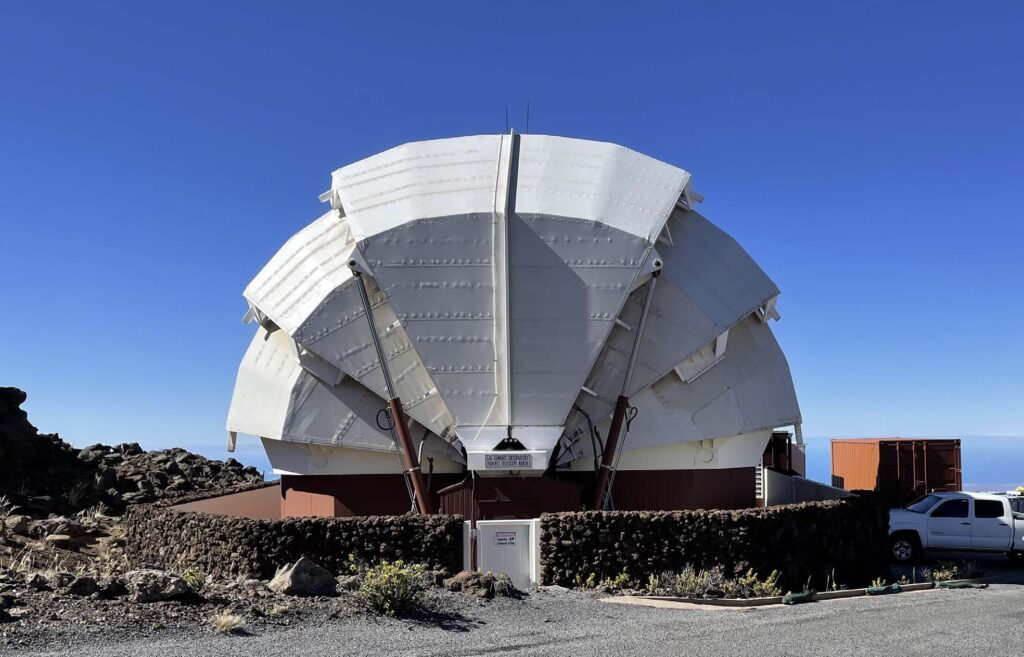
(227, 547)
(838, 540)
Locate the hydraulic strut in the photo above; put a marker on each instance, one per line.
(400, 425)
(611, 444)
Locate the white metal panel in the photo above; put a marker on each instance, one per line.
(597, 181)
(743, 451)
(275, 398)
(708, 283)
(419, 180)
(303, 272)
(266, 377)
(749, 390)
(713, 270)
(337, 332)
(437, 277)
(511, 547)
(568, 281)
(314, 459)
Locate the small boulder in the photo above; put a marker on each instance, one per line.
(472, 582)
(83, 586)
(112, 587)
(304, 578)
(37, 581)
(18, 524)
(504, 587)
(62, 541)
(348, 582)
(149, 585)
(482, 585)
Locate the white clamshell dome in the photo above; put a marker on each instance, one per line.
(507, 276)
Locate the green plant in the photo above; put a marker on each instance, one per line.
(878, 582)
(620, 581)
(393, 588)
(755, 587)
(692, 583)
(830, 582)
(945, 571)
(227, 623)
(195, 578)
(653, 583)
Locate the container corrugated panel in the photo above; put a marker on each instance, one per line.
(855, 464)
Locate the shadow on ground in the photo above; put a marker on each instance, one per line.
(449, 621)
(997, 568)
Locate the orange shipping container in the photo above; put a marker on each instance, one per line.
(901, 469)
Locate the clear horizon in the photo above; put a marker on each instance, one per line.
(868, 156)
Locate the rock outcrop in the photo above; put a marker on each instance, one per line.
(44, 475)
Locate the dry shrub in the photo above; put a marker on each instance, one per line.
(227, 623)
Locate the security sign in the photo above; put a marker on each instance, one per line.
(504, 538)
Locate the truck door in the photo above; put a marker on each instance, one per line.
(949, 525)
(993, 525)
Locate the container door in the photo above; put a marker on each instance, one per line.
(949, 525)
(509, 546)
(992, 527)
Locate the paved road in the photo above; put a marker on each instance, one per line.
(932, 623)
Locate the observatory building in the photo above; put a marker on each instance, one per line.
(504, 325)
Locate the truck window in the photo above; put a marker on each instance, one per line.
(988, 509)
(923, 504)
(951, 509)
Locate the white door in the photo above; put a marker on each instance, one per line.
(993, 525)
(949, 525)
(511, 547)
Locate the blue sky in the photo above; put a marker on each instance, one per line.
(869, 155)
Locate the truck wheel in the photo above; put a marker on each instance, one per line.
(904, 548)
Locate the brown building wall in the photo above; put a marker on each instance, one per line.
(261, 504)
(352, 495)
(678, 490)
(486, 498)
(498, 498)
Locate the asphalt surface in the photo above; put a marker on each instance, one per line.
(947, 623)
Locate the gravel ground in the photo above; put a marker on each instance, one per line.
(941, 622)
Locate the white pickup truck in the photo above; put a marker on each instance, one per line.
(975, 522)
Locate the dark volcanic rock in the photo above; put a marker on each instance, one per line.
(44, 475)
(155, 585)
(83, 585)
(37, 471)
(481, 585)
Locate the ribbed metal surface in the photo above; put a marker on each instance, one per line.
(899, 469)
